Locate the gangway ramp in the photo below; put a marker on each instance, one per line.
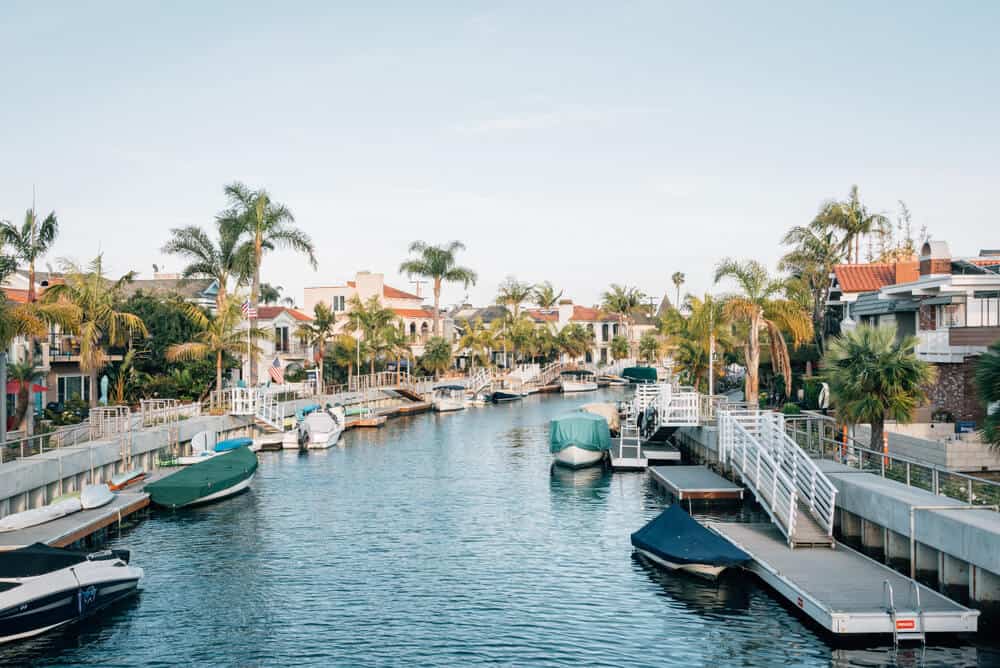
(844, 591)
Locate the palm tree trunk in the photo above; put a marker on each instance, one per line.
(254, 296)
(753, 363)
(437, 302)
(218, 373)
(877, 428)
(93, 387)
(29, 423)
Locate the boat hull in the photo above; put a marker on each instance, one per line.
(503, 397)
(233, 490)
(577, 386)
(699, 570)
(573, 457)
(290, 441)
(448, 405)
(322, 441)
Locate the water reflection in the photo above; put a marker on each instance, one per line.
(728, 595)
(589, 481)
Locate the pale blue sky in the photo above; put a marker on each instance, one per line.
(583, 143)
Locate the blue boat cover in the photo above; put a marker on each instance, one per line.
(680, 539)
(584, 430)
(232, 444)
(301, 414)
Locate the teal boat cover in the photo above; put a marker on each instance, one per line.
(199, 480)
(640, 374)
(584, 430)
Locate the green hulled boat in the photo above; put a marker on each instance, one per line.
(213, 479)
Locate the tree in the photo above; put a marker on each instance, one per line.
(218, 260)
(622, 301)
(854, 220)
(342, 353)
(574, 340)
(988, 384)
(217, 335)
(690, 338)
(369, 318)
(816, 250)
(512, 293)
(619, 347)
(102, 322)
(30, 241)
(395, 344)
(678, 280)
(761, 305)
(263, 225)
(872, 376)
(438, 264)
(545, 295)
(24, 374)
(270, 294)
(649, 347)
(319, 332)
(478, 340)
(437, 355)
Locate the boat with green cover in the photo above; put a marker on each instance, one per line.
(215, 478)
(640, 374)
(579, 439)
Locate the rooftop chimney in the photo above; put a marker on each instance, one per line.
(935, 258)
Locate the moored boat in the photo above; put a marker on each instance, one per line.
(36, 516)
(447, 398)
(577, 380)
(579, 439)
(675, 540)
(503, 396)
(232, 443)
(42, 587)
(215, 478)
(612, 380)
(126, 478)
(640, 374)
(95, 496)
(322, 429)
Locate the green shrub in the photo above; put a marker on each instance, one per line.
(790, 409)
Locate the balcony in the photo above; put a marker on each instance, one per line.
(952, 345)
(295, 351)
(66, 350)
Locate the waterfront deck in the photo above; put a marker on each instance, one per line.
(695, 482)
(72, 528)
(660, 452)
(842, 590)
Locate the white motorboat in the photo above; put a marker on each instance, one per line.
(577, 380)
(448, 398)
(575, 457)
(42, 587)
(322, 429)
(579, 439)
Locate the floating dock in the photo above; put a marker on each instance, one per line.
(658, 451)
(844, 591)
(695, 482)
(68, 530)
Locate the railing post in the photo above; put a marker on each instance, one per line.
(907, 474)
(935, 480)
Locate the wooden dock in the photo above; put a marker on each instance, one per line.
(68, 530)
(695, 482)
(844, 591)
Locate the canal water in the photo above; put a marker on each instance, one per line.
(439, 540)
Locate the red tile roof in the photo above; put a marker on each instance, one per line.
(864, 277)
(540, 315)
(389, 292)
(414, 312)
(272, 312)
(16, 296)
(587, 314)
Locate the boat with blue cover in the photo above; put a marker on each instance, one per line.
(675, 540)
(579, 439)
(232, 444)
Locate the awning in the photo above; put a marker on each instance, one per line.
(986, 294)
(938, 301)
(14, 385)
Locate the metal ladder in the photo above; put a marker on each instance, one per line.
(905, 630)
(629, 436)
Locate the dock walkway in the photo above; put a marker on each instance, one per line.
(67, 530)
(695, 482)
(842, 590)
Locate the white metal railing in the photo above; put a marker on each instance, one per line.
(109, 421)
(629, 439)
(673, 408)
(758, 469)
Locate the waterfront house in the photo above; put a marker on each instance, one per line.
(417, 319)
(284, 353)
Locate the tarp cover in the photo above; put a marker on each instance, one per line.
(204, 478)
(584, 430)
(678, 538)
(640, 374)
(232, 444)
(37, 559)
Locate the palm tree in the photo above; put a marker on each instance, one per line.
(437, 355)
(690, 337)
(101, 322)
(854, 219)
(649, 347)
(319, 332)
(24, 374)
(763, 307)
(369, 318)
(395, 344)
(343, 352)
(988, 384)
(30, 241)
(208, 258)
(521, 334)
(478, 340)
(622, 301)
(270, 294)
(873, 376)
(264, 225)
(816, 250)
(619, 347)
(545, 295)
(438, 264)
(512, 293)
(574, 340)
(678, 280)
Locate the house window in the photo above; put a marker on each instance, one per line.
(950, 315)
(338, 303)
(71, 387)
(604, 332)
(281, 340)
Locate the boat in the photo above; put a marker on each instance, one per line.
(322, 428)
(292, 440)
(95, 496)
(477, 400)
(216, 478)
(577, 380)
(612, 380)
(579, 439)
(608, 411)
(502, 396)
(639, 374)
(122, 480)
(677, 541)
(42, 587)
(447, 398)
(36, 516)
(232, 443)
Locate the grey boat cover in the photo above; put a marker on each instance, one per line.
(680, 539)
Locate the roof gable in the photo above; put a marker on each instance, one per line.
(864, 277)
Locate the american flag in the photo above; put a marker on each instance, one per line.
(249, 313)
(275, 372)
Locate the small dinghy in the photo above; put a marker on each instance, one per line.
(95, 496)
(677, 541)
(36, 516)
(502, 396)
(232, 444)
(123, 480)
(579, 439)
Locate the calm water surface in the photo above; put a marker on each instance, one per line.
(440, 540)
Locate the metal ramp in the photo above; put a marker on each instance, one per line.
(797, 496)
(627, 454)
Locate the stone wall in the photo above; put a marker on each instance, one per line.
(955, 391)
(926, 317)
